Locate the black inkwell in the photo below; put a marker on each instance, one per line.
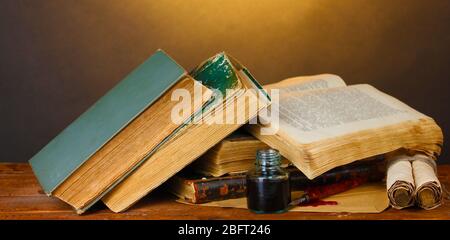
(268, 189)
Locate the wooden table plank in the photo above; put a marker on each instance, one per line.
(22, 198)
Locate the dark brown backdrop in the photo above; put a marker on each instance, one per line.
(58, 57)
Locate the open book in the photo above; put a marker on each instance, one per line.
(323, 123)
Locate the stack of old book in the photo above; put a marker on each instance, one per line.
(136, 137)
(159, 119)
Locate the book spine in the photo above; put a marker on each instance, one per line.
(219, 189)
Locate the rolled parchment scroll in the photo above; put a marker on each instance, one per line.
(428, 193)
(400, 182)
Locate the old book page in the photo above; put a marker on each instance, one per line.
(305, 83)
(368, 198)
(310, 116)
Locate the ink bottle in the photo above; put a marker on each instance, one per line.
(268, 189)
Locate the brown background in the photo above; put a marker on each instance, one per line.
(58, 57)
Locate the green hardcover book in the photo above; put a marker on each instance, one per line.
(116, 134)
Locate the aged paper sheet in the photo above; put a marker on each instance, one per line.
(368, 198)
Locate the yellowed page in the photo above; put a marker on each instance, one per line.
(368, 198)
(311, 116)
(304, 83)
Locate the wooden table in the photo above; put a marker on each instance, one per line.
(21, 197)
